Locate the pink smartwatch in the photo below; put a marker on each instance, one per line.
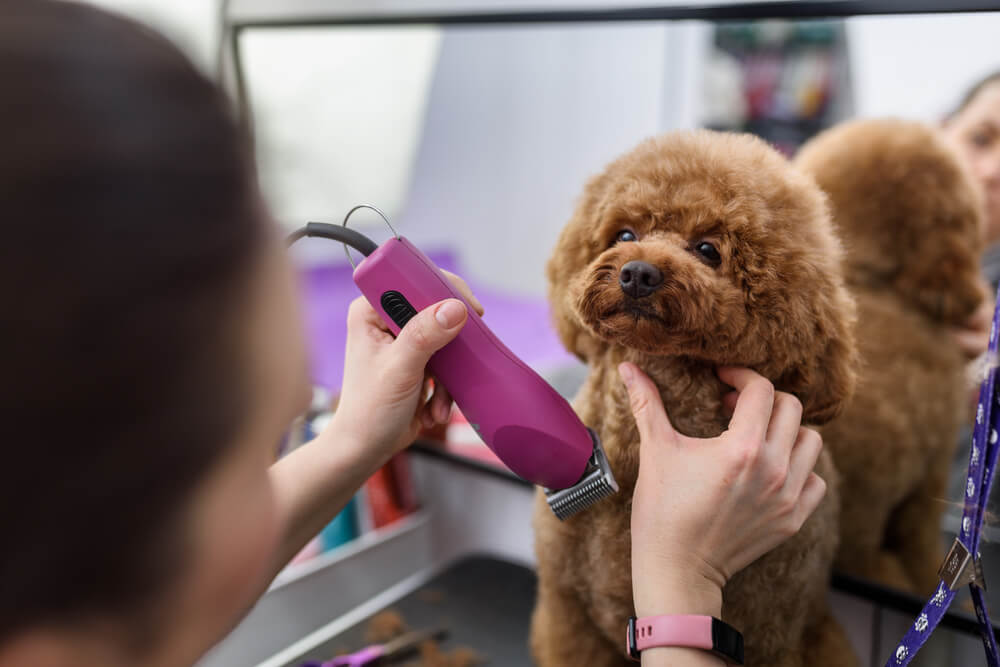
(704, 632)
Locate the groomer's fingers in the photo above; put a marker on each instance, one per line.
(424, 403)
(464, 290)
(783, 429)
(753, 406)
(812, 494)
(361, 312)
(440, 405)
(647, 406)
(364, 324)
(803, 459)
(729, 402)
(428, 331)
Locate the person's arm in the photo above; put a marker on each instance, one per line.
(703, 509)
(315, 482)
(380, 412)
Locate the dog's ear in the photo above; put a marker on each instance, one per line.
(568, 258)
(809, 314)
(937, 213)
(942, 278)
(825, 381)
(568, 261)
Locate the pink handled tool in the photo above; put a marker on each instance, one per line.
(526, 423)
(379, 653)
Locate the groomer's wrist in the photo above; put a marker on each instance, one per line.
(348, 446)
(676, 593)
(674, 656)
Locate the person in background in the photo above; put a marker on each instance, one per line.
(973, 130)
(152, 357)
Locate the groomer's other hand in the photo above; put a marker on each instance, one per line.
(973, 337)
(386, 393)
(703, 509)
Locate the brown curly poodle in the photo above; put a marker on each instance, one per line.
(910, 220)
(694, 250)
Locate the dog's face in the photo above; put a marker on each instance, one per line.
(709, 246)
(909, 213)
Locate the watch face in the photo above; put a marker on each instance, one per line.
(727, 642)
(630, 648)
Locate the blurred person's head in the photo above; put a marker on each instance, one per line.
(973, 128)
(149, 343)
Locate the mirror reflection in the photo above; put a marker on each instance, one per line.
(478, 141)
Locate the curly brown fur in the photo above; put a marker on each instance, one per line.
(776, 303)
(910, 220)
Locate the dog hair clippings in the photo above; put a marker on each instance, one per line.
(960, 567)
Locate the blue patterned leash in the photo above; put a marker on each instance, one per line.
(962, 565)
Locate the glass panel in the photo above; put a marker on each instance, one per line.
(477, 140)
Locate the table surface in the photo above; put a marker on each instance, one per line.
(484, 603)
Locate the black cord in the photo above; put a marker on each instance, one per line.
(345, 235)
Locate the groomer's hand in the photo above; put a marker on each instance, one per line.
(973, 337)
(703, 509)
(386, 393)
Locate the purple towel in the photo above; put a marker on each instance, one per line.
(522, 323)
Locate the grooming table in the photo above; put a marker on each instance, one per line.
(484, 603)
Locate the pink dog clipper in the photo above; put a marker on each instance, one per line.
(519, 416)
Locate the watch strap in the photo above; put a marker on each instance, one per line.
(702, 632)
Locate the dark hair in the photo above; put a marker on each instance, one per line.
(130, 225)
(974, 91)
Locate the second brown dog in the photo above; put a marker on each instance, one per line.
(910, 220)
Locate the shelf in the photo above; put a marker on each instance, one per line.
(305, 597)
(448, 597)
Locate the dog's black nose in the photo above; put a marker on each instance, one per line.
(639, 279)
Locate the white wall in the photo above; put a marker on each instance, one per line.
(920, 66)
(519, 118)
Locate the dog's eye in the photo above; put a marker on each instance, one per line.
(708, 252)
(626, 236)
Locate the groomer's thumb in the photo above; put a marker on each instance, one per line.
(429, 331)
(647, 406)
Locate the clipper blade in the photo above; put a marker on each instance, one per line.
(597, 482)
